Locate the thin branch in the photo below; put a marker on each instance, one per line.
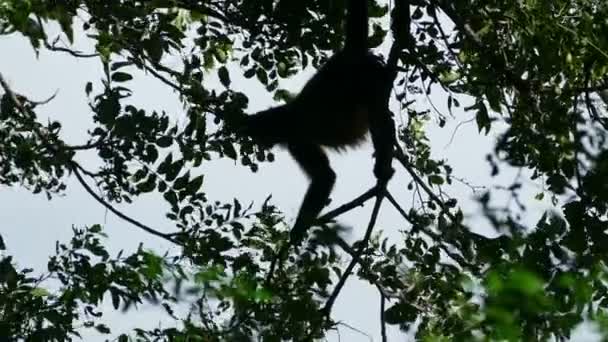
(357, 202)
(382, 320)
(460, 124)
(332, 298)
(369, 337)
(43, 102)
(74, 53)
(54, 47)
(75, 167)
(85, 146)
(401, 211)
(162, 78)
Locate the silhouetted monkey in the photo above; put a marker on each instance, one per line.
(347, 97)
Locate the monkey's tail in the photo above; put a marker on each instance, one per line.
(269, 126)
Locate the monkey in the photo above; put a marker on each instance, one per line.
(346, 98)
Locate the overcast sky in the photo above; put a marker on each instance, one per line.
(32, 225)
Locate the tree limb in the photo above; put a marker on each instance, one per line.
(372, 222)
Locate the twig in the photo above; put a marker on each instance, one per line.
(85, 146)
(369, 337)
(162, 78)
(43, 102)
(54, 47)
(69, 51)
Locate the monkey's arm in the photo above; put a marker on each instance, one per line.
(382, 130)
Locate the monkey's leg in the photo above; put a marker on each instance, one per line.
(315, 163)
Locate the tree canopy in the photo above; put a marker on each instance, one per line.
(532, 73)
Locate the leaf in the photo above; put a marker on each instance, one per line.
(249, 73)
(171, 197)
(393, 314)
(117, 65)
(151, 153)
(164, 141)
(115, 298)
(262, 76)
(220, 55)
(39, 292)
(182, 181)
(229, 150)
(224, 76)
(165, 164)
(482, 118)
(436, 179)
(195, 184)
(121, 77)
(148, 186)
(88, 88)
(174, 170)
(102, 328)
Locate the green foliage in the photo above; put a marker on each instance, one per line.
(537, 67)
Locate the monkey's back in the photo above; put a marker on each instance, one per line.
(334, 106)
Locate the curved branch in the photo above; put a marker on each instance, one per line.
(75, 167)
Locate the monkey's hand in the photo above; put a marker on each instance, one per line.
(383, 171)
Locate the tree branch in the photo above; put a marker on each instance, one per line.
(382, 320)
(75, 167)
(332, 298)
(359, 201)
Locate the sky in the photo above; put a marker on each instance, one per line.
(32, 225)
